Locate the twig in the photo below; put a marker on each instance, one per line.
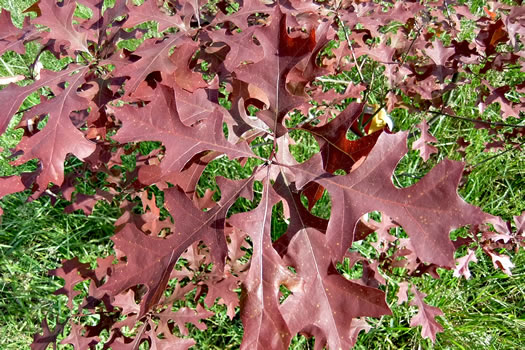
(310, 118)
(438, 113)
(88, 61)
(410, 46)
(370, 86)
(335, 81)
(351, 48)
(405, 56)
(497, 155)
(375, 113)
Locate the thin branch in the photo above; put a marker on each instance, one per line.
(375, 113)
(335, 81)
(438, 113)
(349, 41)
(405, 56)
(498, 155)
(410, 46)
(82, 54)
(310, 118)
(370, 86)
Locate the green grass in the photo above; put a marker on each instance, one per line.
(486, 311)
(34, 238)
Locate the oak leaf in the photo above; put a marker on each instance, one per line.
(426, 317)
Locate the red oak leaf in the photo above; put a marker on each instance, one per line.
(462, 268)
(402, 293)
(501, 262)
(185, 315)
(242, 47)
(422, 144)
(78, 340)
(12, 38)
(299, 216)
(369, 187)
(197, 105)
(328, 303)
(73, 272)
(520, 224)
(489, 37)
(59, 137)
(9, 34)
(240, 18)
(190, 87)
(152, 269)
(264, 325)
(221, 286)
(281, 53)
(426, 317)
(159, 121)
(126, 301)
(150, 11)
(441, 56)
(10, 184)
(182, 75)
(13, 95)
(191, 225)
(171, 342)
(59, 19)
(508, 108)
(154, 57)
(337, 151)
(41, 342)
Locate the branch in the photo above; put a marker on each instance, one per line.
(361, 77)
(497, 155)
(335, 81)
(438, 113)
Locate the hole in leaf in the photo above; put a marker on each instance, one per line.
(42, 122)
(140, 290)
(410, 170)
(284, 293)
(132, 332)
(279, 223)
(319, 197)
(305, 145)
(350, 271)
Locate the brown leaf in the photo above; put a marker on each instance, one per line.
(59, 19)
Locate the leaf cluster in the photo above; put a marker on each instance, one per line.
(300, 98)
